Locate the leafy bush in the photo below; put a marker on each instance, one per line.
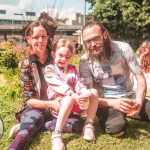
(10, 56)
(11, 89)
(76, 58)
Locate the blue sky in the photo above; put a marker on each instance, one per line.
(33, 5)
(78, 4)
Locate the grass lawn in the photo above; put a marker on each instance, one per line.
(137, 136)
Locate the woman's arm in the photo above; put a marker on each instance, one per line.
(41, 104)
(29, 90)
(28, 85)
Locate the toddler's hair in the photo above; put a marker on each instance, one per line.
(64, 43)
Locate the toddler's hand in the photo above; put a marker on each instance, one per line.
(80, 99)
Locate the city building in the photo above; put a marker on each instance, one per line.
(11, 25)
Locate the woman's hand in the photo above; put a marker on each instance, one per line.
(55, 104)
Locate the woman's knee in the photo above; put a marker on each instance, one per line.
(32, 118)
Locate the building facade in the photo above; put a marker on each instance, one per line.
(12, 24)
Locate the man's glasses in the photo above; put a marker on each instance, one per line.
(95, 39)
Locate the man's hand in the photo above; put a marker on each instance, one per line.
(122, 104)
(136, 110)
(127, 106)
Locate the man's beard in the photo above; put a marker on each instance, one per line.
(97, 56)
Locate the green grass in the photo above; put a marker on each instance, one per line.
(75, 59)
(136, 138)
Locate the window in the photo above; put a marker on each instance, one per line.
(70, 32)
(2, 11)
(30, 13)
(5, 21)
(19, 22)
(18, 14)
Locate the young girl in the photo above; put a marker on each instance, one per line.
(63, 82)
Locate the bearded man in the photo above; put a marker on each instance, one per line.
(106, 66)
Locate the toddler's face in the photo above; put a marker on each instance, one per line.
(62, 57)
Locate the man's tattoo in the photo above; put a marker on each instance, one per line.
(141, 92)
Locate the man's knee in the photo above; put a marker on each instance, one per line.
(116, 126)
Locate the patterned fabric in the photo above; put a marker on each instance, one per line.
(69, 126)
(28, 84)
(111, 77)
(63, 82)
(59, 85)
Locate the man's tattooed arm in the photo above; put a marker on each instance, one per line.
(141, 88)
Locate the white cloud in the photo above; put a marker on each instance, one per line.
(37, 5)
(72, 10)
(20, 5)
(65, 8)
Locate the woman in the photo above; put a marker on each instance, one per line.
(36, 106)
(145, 65)
(144, 49)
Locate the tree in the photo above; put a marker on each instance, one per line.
(127, 20)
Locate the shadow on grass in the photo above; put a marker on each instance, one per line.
(134, 130)
(137, 129)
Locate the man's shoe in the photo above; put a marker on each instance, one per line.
(119, 134)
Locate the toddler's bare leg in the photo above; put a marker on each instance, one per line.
(67, 104)
(93, 104)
